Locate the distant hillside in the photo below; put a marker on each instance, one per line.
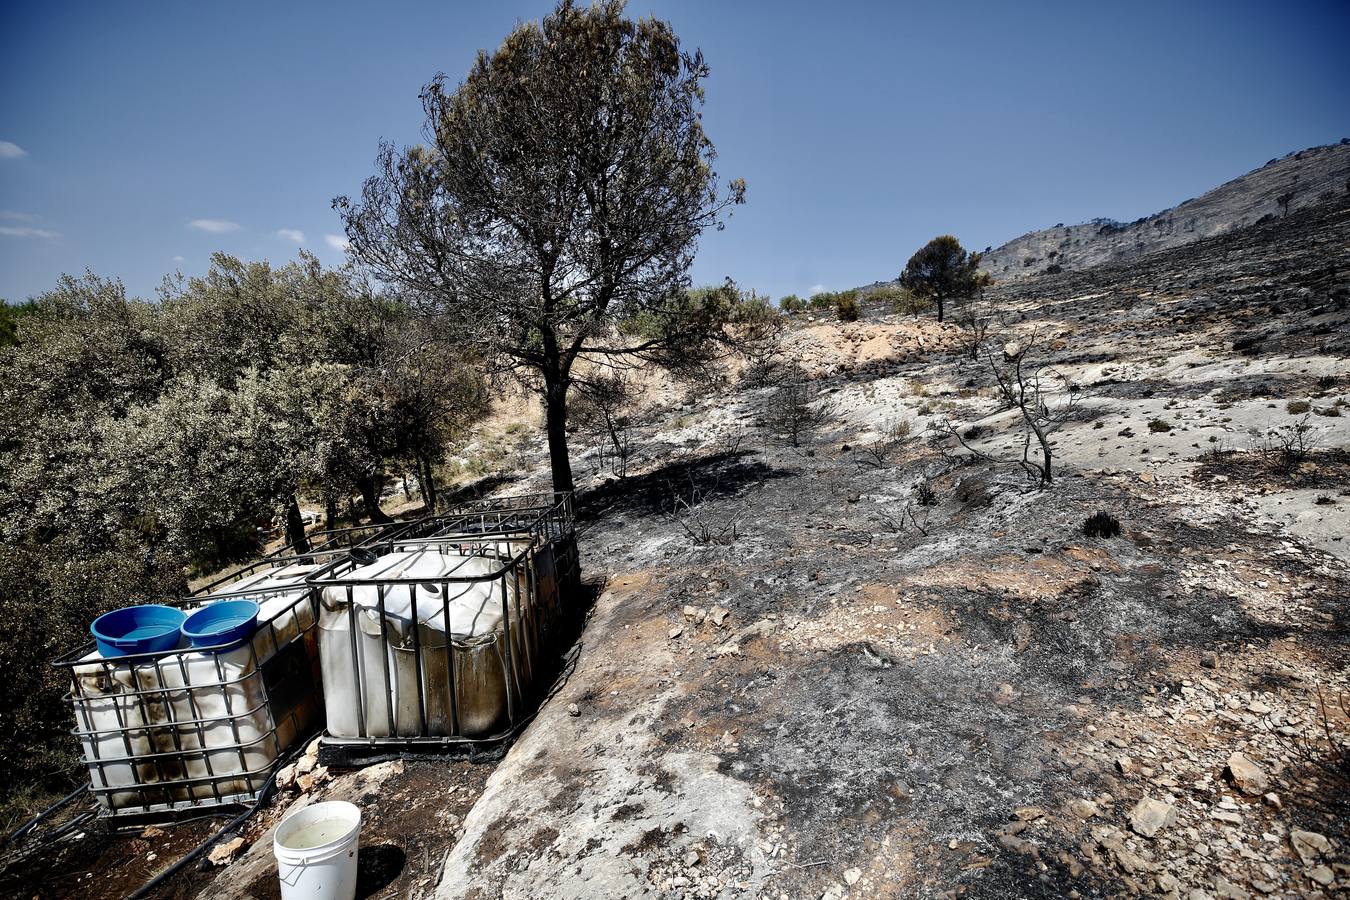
(1310, 176)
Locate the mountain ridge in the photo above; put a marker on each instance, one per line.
(1302, 178)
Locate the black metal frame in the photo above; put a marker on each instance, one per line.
(519, 534)
(555, 506)
(165, 748)
(156, 747)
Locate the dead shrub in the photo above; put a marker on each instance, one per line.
(1285, 447)
(924, 493)
(795, 409)
(1101, 524)
(702, 521)
(1322, 758)
(879, 453)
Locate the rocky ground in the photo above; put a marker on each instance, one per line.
(876, 666)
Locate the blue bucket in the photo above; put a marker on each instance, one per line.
(223, 622)
(150, 628)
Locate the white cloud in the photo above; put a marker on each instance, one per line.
(816, 289)
(11, 215)
(337, 241)
(10, 150)
(26, 231)
(214, 226)
(179, 259)
(294, 235)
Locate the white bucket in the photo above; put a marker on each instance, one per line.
(316, 852)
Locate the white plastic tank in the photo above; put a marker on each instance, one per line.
(189, 726)
(455, 623)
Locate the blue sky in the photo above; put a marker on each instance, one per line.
(136, 137)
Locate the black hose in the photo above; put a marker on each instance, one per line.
(38, 819)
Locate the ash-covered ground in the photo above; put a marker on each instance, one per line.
(830, 671)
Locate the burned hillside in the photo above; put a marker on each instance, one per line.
(875, 664)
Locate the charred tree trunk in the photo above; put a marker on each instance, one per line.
(295, 527)
(427, 482)
(369, 486)
(555, 426)
(330, 509)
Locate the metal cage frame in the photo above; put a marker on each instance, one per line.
(514, 532)
(277, 683)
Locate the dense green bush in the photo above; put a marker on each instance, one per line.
(141, 442)
(846, 305)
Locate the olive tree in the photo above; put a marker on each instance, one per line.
(554, 209)
(942, 270)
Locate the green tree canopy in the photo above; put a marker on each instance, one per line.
(942, 270)
(560, 194)
(142, 441)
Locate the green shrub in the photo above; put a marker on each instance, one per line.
(907, 303)
(1297, 407)
(1158, 426)
(846, 305)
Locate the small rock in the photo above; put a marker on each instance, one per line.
(151, 832)
(1150, 816)
(222, 853)
(1322, 875)
(1247, 775)
(1225, 888)
(286, 777)
(718, 615)
(309, 782)
(1309, 845)
(691, 858)
(306, 764)
(852, 876)
(1124, 765)
(1017, 844)
(573, 709)
(1209, 659)
(854, 497)
(676, 632)
(1083, 809)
